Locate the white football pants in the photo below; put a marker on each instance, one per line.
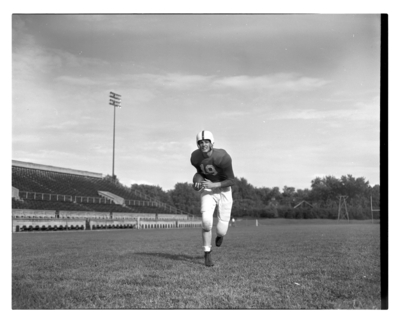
(210, 198)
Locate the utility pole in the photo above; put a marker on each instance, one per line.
(372, 211)
(115, 100)
(343, 207)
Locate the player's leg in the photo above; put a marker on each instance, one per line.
(224, 214)
(207, 238)
(208, 204)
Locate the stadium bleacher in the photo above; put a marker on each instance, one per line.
(54, 198)
(47, 205)
(55, 188)
(42, 181)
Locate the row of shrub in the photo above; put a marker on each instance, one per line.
(354, 213)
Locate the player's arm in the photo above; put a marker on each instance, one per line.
(230, 181)
(225, 183)
(227, 170)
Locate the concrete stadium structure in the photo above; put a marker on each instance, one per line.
(54, 198)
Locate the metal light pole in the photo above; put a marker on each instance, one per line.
(115, 100)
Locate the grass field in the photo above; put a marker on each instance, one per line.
(281, 264)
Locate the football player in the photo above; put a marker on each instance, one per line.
(215, 165)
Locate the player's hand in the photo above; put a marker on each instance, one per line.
(207, 184)
(198, 186)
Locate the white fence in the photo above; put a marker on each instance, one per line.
(83, 215)
(28, 220)
(66, 214)
(172, 216)
(26, 213)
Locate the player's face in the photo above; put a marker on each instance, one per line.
(205, 145)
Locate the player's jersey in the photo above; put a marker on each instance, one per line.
(216, 168)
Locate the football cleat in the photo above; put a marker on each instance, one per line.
(207, 258)
(218, 241)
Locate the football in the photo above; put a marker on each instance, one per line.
(197, 178)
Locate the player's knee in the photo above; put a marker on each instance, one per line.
(222, 228)
(207, 226)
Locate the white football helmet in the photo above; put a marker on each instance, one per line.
(204, 135)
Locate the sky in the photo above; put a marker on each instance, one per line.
(289, 97)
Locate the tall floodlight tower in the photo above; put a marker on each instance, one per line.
(115, 100)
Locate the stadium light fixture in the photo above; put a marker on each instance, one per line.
(115, 100)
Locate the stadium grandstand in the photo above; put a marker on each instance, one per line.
(56, 198)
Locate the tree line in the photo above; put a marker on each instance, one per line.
(320, 201)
